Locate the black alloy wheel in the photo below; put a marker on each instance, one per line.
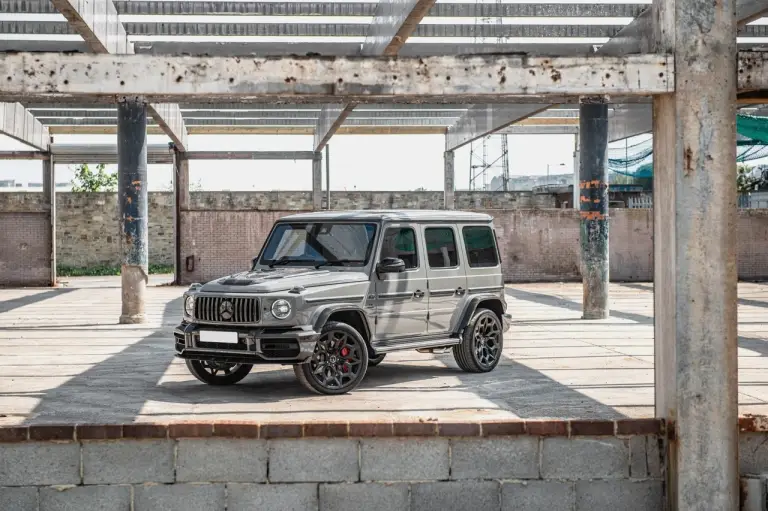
(339, 362)
(218, 373)
(480, 350)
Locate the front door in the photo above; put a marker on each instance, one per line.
(401, 298)
(446, 277)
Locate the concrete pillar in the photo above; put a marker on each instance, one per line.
(132, 201)
(49, 192)
(317, 181)
(593, 202)
(705, 272)
(449, 179)
(181, 204)
(328, 177)
(576, 171)
(664, 157)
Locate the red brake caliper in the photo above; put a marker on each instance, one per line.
(345, 353)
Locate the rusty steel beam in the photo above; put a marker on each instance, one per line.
(393, 24)
(304, 80)
(24, 155)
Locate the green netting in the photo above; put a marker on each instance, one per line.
(636, 160)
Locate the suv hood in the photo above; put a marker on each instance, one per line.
(283, 279)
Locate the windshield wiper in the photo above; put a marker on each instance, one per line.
(336, 262)
(285, 260)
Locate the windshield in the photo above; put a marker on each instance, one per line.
(319, 244)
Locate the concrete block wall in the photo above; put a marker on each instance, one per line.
(482, 466)
(25, 240)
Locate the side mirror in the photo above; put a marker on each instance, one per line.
(390, 265)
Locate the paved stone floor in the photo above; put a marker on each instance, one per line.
(63, 359)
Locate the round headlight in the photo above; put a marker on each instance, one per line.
(189, 306)
(281, 309)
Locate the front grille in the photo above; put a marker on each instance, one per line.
(225, 309)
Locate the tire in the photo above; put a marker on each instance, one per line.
(232, 373)
(483, 343)
(346, 371)
(373, 362)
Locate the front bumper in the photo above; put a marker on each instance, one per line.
(255, 345)
(506, 322)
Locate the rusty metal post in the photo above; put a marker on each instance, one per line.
(449, 178)
(317, 181)
(328, 177)
(593, 201)
(705, 272)
(132, 200)
(49, 193)
(181, 204)
(576, 173)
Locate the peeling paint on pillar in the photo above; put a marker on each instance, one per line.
(133, 206)
(593, 205)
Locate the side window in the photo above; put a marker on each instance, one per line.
(441, 247)
(401, 243)
(481, 247)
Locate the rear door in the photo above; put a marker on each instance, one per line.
(401, 298)
(483, 266)
(446, 278)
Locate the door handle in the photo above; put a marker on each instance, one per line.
(460, 291)
(418, 294)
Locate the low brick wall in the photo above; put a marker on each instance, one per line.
(518, 465)
(25, 242)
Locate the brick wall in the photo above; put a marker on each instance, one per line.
(222, 242)
(25, 241)
(425, 466)
(224, 230)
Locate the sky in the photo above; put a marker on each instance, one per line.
(361, 162)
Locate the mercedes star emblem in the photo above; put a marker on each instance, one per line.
(226, 310)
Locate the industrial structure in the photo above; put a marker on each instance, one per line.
(677, 67)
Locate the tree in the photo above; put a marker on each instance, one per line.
(86, 180)
(745, 179)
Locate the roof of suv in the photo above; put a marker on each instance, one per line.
(402, 215)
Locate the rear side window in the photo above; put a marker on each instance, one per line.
(400, 243)
(481, 247)
(441, 247)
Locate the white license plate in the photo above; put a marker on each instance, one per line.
(221, 337)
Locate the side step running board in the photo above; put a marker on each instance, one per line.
(397, 345)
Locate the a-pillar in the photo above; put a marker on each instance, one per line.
(593, 205)
(49, 194)
(317, 181)
(132, 201)
(449, 179)
(705, 272)
(181, 204)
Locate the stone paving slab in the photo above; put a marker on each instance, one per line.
(64, 359)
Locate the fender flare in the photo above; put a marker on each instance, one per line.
(471, 306)
(320, 316)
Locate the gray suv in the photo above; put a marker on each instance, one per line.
(332, 293)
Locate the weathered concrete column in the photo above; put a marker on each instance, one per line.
(49, 192)
(132, 200)
(593, 205)
(705, 273)
(181, 204)
(576, 173)
(449, 196)
(317, 181)
(664, 157)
